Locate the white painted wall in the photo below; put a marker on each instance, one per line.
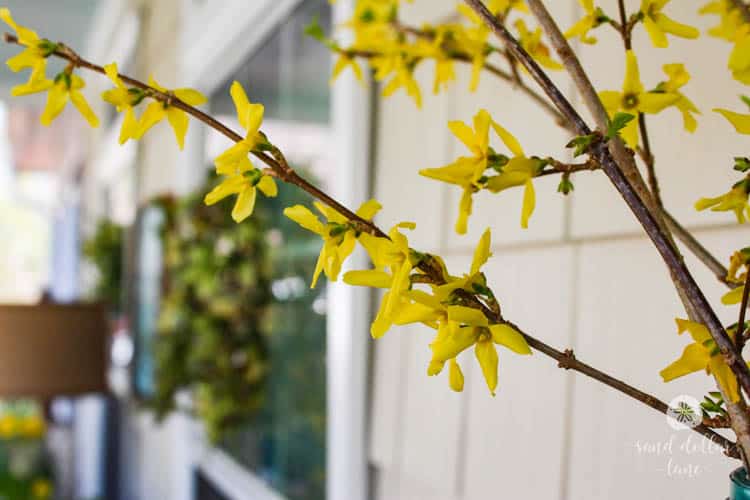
(581, 276)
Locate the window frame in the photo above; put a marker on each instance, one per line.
(215, 42)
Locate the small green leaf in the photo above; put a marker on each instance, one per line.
(314, 30)
(741, 164)
(746, 100)
(581, 144)
(565, 186)
(617, 123)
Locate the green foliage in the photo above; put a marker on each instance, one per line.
(741, 164)
(210, 338)
(104, 251)
(565, 186)
(713, 405)
(315, 30)
(581, 144)
(617, 123)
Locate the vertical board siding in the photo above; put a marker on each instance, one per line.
(598, 287)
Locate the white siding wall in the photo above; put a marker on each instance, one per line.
(581, 276)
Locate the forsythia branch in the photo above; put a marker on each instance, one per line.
(276, 162)
(279, 168)
(612, 169)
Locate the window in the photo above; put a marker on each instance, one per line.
(286, 444)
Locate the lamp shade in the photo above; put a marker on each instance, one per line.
(51, 350)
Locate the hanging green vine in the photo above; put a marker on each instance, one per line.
(211, 336)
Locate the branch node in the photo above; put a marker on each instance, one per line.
(567, 360)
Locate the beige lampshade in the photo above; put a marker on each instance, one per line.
(51, 350)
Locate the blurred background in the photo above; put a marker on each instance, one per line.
(210, 370)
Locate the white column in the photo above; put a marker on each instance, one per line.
(348, 307)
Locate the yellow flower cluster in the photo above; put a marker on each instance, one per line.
(65, 87)
(452, 306)
(125, 99)
(28, 427)
(240, 176)
(486, 169)
(635, 99)
(735, 29)
(651, 13)
(394, 51)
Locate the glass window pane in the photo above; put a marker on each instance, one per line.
(285, 444)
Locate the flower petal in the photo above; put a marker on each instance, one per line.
(179, 121)
(482, 252)
(487, 357)
(305, 218)
(455, 376)
(694, 358)
(467, 316)
(245, 204)
(741, 122)
(509, 337)
(83, 107)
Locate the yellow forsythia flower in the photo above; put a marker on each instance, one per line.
(343, 62)
(734, 200)
(531, 41)
(658, 24)
(41, 489)
(737, 262)
(242, 179)
(464, 326)
(339, 234)
(702, 354)
(740, 121)
(35, 54)
(250, 116)
(392, 255)
(634, 99)
(469, 172)
(241, 176)
(32, 427)
(178, 119)
(123, 99)
(739, 58)
(400, 65)
(590, 20)
(66, 87)
(730, 18)
(733, 296)
(9, 426)
(678, 77)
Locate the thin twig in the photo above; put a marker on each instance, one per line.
(565, 359)
(648, 159)
(559, 167)
(625, 30)
(279, 166)
(740, 333)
